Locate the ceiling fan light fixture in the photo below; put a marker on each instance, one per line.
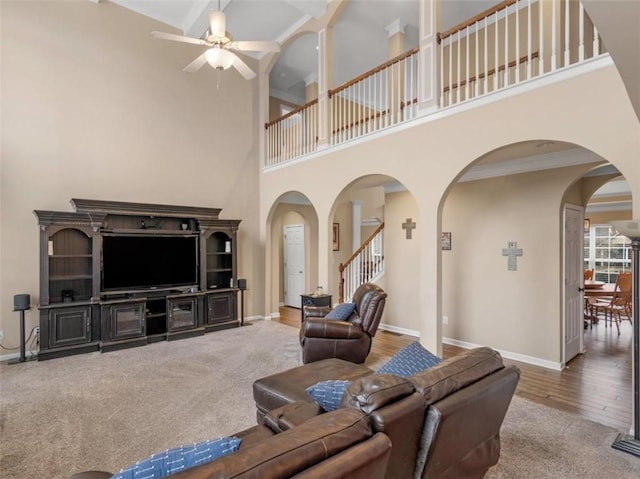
(219, 58)
(217, 22)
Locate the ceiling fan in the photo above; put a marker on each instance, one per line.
(219, 54)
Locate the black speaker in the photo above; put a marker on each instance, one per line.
(21, 302)
(242, 284)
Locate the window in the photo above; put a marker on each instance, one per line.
(607, 252)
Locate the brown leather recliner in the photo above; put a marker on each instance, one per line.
(349, 340)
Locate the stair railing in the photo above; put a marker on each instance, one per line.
(363, 265)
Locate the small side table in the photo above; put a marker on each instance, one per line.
(314, 300)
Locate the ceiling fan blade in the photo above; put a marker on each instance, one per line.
(256, 46)
(177, 38)
(196, 64)
(243, 69)
(217, 22)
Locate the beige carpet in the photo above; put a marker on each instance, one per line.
(104, 411)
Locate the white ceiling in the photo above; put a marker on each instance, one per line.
(359, 35)
(360, 43)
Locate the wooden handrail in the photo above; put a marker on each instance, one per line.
(291, 113)
(359, 250)
(472, 20)
(375, 70)
(511, 64)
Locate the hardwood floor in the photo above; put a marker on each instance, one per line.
(595, 385)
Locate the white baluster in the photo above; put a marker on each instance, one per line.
(450, 69)
(441, 73)
(596, 42)
(496, 59)
(567, 36)
(581, 34)
(477, 67)
(458, 71)
(506, 47)
(485, 89)
(540, 38)
(517, 55)
(529, 40)
(554, 46)
(466, 63)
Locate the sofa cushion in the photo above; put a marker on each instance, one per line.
(328, 394)
(177, 459)
(342, 312)
(373, 392)
(456, 373)
(410, 360)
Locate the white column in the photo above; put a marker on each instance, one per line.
(356, 221)
(428, 79)
(325, 69)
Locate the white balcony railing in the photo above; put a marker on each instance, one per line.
(292, 135)
(510, 43)
(382, 97)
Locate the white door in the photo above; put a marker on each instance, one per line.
(293, 264)
(573, 281)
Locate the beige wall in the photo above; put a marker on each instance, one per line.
(401, 255)
(484, 302)
(429, 156)
(93, 107)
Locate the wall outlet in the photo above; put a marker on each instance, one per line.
(445, 320)
(1, 335)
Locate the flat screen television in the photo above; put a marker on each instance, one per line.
(152, 261)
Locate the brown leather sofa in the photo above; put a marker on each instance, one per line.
(443, 422)
(349, 340)
(340, 444)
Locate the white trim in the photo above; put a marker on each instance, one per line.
(558, 76)
(28, 355)
(609, 206)
(561, 159)
(509, 355)
(397, 329)
(281, 95)
(396, 26)
(284, 36)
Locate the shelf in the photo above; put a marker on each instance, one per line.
(71, 277)
(223, 253)
(56, 256)
(149, 231)
(219, 270)
(156, 315)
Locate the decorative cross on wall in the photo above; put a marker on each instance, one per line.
(408, 226)
(512, 251)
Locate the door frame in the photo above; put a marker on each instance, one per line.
(580, 210)
(284, 260)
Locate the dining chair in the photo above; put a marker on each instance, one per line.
(615, 307)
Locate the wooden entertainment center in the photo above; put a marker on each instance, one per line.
(115, 275)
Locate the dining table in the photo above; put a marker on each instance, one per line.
(598, 288)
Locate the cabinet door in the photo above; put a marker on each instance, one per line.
(127, 320)
(221, 308)
(69, 326)
(182, 313)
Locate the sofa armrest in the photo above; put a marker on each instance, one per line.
(331, 329)
(291, 415)
(92, 475)
(315, 311)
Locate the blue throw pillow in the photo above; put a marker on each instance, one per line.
(328, 394)
(177, 459)
(410, 360)
(341, 312)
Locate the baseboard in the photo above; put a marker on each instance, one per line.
(7, 357)
(258, 318)
(523, 358)
(397, 329)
